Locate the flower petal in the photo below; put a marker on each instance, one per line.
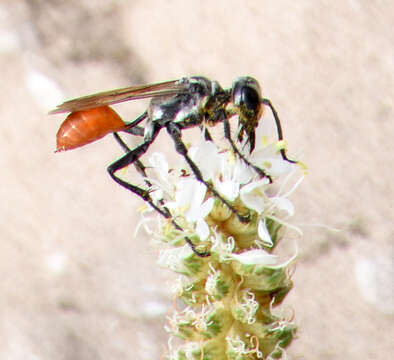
(242, 172)
(285, 204)
(264, 234)
(279, 167)
(202, 229)
(255, 257)
(160, 165)
(189, 191)
(207, 158)
(206, 207)
(173, 258)
(229, 189)
(252, 195)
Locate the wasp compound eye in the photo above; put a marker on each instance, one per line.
(246, 96)
(250, 98)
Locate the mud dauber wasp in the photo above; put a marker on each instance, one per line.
(175, 105)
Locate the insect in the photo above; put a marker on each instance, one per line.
(175, 105)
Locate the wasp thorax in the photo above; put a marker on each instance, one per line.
(200, 85)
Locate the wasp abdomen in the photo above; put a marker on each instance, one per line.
(85, 126)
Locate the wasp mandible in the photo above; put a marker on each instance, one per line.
(175, 105)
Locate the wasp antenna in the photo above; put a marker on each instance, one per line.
(278, 127)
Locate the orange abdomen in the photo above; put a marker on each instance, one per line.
(85, 126)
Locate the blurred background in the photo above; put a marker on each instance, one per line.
(76, 283)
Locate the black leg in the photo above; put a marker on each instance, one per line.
(227, 135)
(207, 135)
(140, 167)
(144, 194)
(129, 159)
(133, 128)
(279, 128)
(122, 144)
(175, 133)
(190, 243)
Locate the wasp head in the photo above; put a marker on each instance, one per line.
(246, 99)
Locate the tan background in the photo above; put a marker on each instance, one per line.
(75, 283)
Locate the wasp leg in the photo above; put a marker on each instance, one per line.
(136, 130)
(279, 128)
(190, 243)
(175, 132)
(227, 135)
(207, 135)
(144, 194)
(129, 159)
(132, 127)
(140, 167)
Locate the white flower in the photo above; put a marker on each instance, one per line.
(255, 257)
(189, 200)
(162, 183)
(160, 165)
(253, 195)
(232, 175)
(226, 172)
(264, 235)
(174, 258)
(283, 203)
(207, 158)
(269, 158)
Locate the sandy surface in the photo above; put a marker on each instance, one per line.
(76, 282)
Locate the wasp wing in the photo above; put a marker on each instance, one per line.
(172, 87)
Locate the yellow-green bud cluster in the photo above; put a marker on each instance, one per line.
(230, 295)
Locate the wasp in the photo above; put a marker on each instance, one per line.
(175, 105)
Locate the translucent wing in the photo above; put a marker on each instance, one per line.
(119, 95)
